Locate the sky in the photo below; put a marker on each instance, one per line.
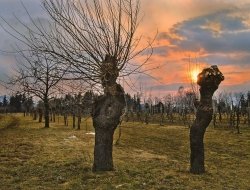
(192, 34)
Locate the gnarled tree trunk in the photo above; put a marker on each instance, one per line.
(106, 113)
(106, 117)
(208, 80)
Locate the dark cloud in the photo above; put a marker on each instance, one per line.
(8, 11)
(163, 36)
(160, 50)
(227, 59)
(217, 32)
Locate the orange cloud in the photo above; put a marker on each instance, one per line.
(231, 57)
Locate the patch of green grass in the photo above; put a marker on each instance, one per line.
(147, 157)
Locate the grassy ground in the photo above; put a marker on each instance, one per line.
(148, 157)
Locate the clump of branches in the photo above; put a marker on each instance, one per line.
(91, 31)
(82, 33)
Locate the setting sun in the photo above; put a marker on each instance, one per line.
(194, 75)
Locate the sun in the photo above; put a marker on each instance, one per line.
(194, 74)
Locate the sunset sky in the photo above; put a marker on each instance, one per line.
(206, 31)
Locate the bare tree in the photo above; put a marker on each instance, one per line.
(208, 80)
(248, 108)
(98, 40)
(37, 75)
(239, 97)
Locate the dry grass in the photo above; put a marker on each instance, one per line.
(147, 157)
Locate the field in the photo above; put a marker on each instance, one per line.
(147, 157)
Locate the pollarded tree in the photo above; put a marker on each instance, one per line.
(97, 39)
(208, 80)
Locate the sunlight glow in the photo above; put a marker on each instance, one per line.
(194, 74)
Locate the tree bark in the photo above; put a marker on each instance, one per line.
(51, 115)
(79, 120)
(214, 119)
(106, 114)
(46, 113)
(146, 118)
(209, 80)
(103, 159)
(219, 110)
(40, 115)
(65, 118)
(35, 115)
(197, 132)
(74, 120)
(248, 114)
(54, 116)
(119, 134)
(238, 120)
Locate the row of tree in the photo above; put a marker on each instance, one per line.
(230, 110)
(93, 43)
(16, 103)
